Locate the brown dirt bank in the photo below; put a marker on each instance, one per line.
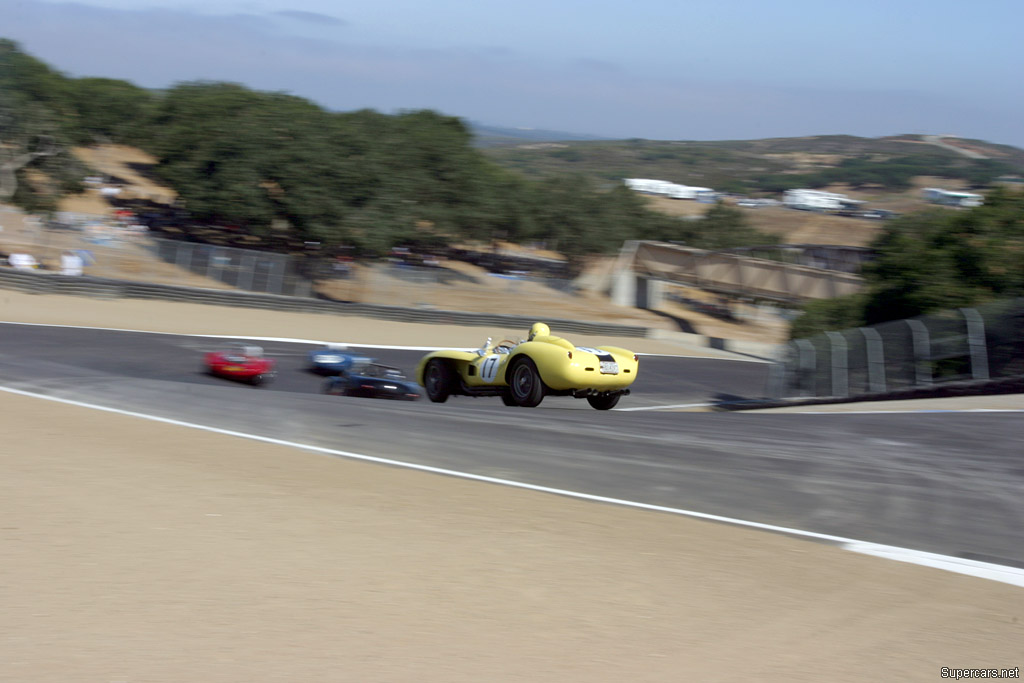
(165, 316)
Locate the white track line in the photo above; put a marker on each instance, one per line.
(985, 570)
(668, 407)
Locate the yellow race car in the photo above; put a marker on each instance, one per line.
(522, 373)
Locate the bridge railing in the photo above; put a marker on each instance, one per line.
(740, 275)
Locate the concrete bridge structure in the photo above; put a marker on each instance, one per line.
(794, 274)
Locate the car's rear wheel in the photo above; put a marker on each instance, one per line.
(334, 388)
(525, 384)
(438, 380)
(603, 401)
(508, 399)
(257, 380)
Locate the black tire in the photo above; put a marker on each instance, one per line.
(603, 401)
(333, 388)
(524, 383)
(507, 398)
(257, 380)
(438, 380)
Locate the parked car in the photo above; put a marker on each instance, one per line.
(878, 214)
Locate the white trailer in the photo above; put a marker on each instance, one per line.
(666, 188)
(648, 186)
(817, 200)
(937, 195)
(688, 191)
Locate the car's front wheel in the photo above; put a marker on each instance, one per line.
(525, 383)
(438, 381)
(603, 401)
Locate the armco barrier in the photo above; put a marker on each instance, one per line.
(977, 347)
(52, 283)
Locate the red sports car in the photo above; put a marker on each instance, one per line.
(244, 363)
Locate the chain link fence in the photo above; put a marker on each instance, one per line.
(122, 250)
(967, 344)
(248, 269)
(448, 284)
(112, 250)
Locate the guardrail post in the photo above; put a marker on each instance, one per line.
(876, 360)
(807, 365)
(246, 272)
(840, 365)
(213, 266)
(976, 343)
(277, 270)
(775, 386)
(922, 352)
(183, 259)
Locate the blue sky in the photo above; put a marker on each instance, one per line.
(658, 69)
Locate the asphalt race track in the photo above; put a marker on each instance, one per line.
(946, 482)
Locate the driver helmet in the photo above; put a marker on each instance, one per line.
(539, 330)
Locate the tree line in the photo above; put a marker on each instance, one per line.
(895, 174)
(265, 161)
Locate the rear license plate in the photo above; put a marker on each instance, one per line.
(233, 368)
(609, 368)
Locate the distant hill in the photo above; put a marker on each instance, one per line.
(494, 136)
(770, 165)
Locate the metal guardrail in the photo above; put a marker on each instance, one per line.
(53, 283)
(963, 347)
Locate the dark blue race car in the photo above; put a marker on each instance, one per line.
(372, 380)
(332, 359)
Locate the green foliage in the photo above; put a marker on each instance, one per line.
(765, 166)
(35, 114)
(933, 261)
(936, 260)
(724, 227)
(30, 81)
(568, 154)
(109, 110)
(894, 174)
(829, 314)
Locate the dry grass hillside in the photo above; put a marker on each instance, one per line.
(458, 286)
(808, 227)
